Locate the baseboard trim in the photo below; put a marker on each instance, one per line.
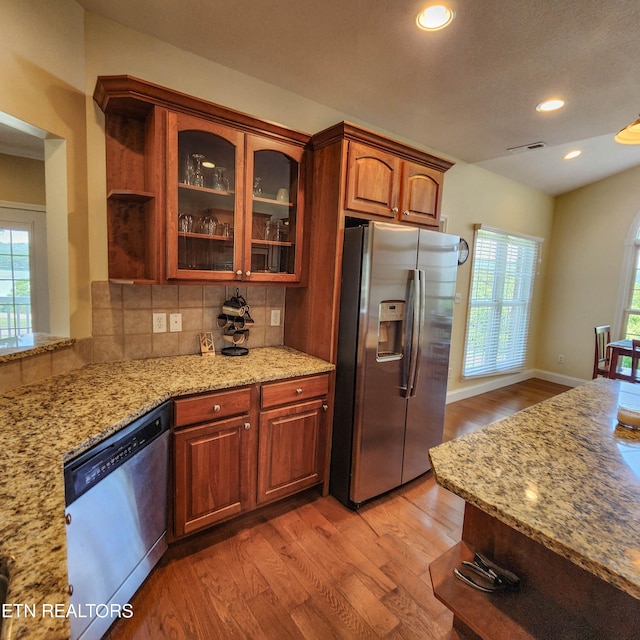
(505, 381)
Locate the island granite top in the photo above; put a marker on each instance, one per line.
(46, 424)
(562, 472)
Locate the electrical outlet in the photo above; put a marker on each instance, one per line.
(560, 358)
(458, 298)
(175, 322)
(275, 317)
(159, 322)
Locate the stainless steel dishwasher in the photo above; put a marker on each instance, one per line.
(116, 514)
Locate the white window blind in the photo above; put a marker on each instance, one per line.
(503, 273)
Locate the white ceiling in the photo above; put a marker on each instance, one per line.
(468, 92)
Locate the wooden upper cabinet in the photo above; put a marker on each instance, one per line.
(383, 179)
(181, 181)
(421, 194)
(373, 180)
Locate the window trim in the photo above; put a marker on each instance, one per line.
(33, 215)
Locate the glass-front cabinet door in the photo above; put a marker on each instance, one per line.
(274, 200)
(204, 200)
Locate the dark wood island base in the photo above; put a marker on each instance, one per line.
(557, 598)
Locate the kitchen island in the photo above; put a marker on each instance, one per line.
(49, 423)
(553, 494)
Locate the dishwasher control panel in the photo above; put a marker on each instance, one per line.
(89, 468)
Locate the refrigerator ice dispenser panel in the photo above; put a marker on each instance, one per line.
(391, 318)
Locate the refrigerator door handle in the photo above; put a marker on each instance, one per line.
(420, 305)
(415, 334)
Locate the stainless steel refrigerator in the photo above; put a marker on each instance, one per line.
(396, 310)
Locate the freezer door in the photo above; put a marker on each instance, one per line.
(380, 407)
(438, 266)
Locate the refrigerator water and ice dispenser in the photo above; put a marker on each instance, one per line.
(391, 320)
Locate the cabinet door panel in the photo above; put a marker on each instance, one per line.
(212, 473)
(372, 181)
(205, 186)
(291, 450)
(421, 193)
(275, 202)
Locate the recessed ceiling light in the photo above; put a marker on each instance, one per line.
(550, 105)
(572, 154)
(435, 17)
(207, 164)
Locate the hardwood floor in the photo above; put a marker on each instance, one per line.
(310, 568)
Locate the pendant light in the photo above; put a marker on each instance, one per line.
(630, 134)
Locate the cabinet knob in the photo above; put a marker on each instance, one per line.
(298, 390)
(216, 408)
(395, 209)
(247, 273)
(247, 425)
(239, 272)
(325, 407)
(67, 518)
(405, 213)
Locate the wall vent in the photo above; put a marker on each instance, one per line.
(527, 147)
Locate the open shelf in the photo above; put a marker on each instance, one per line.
(523, 615)
(130, 195)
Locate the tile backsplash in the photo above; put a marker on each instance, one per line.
(122, 318)
(122, 327)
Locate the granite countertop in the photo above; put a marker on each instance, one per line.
(562, 472)
(46, 424)
(31, 344)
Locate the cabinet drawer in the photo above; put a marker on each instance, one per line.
(211, 406)
(278, 393)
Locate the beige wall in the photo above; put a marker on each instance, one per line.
(471, 196)
(21, 180)
(42, 79)
(589, 232)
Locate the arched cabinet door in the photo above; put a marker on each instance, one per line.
(385, 185)
(274, 210)
(373, 180)
(421, 194)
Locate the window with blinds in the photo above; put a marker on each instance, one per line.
(631, 311)
(503, 274)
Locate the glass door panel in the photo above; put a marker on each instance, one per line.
(204, 188)
(275, 212)
(206, 203)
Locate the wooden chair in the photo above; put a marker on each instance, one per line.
(601, 358)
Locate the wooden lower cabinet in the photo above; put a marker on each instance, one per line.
(237, 449)
(291, 449)
(212, 473)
